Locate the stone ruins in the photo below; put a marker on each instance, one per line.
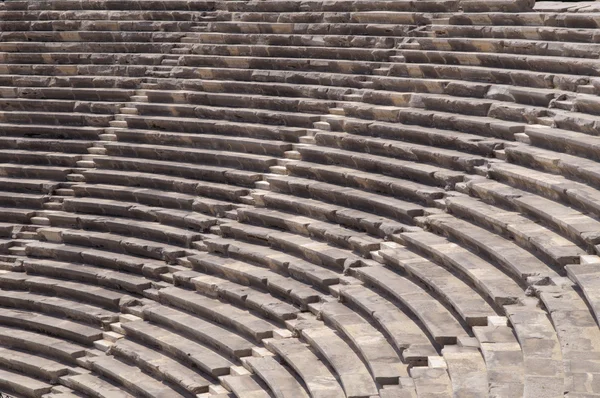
(299, 199)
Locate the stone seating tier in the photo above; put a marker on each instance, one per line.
(298, 198)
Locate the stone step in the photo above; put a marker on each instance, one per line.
(40, 344)
(586, 276)
(503, 356)
(130, 377)
(571, 223)
(465, 299)
(151, 197)
(54, 326)
(182, 102)
(58, 307)
(32, 365)
(250, 162)
(526, 233)
(317, 377)
(550, 186)
(160, 366)
(440, 323)
(246, 384)
(191, 353)
(56, 118)
(91, 384)
(283, 52)
(169, 217)
(84, 273)
(254, 299)
(75, 290)
(429, 379)
(506, 254)
(513, 37)
(381, 359)
(319, 210)
(533, 329)
(166, 116)
(421, 68)
(386, 206)
(405, 333)
(224, 341)
(45, 144)
(100, 259)
(561, 140)
(281, 381)
(330, 233)
(318, 253)
(19, 384)
(281, 263)
(563, 302)
(551, 64)
(419, 172)
(467, 370)
(242, 321)
(491, 282)
(147, 230)
(354, 375)
(207, 141)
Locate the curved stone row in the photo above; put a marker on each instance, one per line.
(298, 199)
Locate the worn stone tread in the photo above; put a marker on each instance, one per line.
(210, 362)
(353, 373)
(490, 280)
(40, 344)
(441, 324)
(180, 180)
(283, 263)
(507, 254)
(471, 306)
(528, 234)
(218, 312)
(382, 360)
(131, 377)
(321, 383)
(160, 366)
(57, 306)
(69, 330)
(244, 386)
(405, 333)
(281, 381)
(20, 384)
(223, 340)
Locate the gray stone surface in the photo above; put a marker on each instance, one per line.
(404, 332)
(472, 308)
(359, 186)
(280, 380)
(317, 377)
(441, 324)
(184, 349)
(244, 386)
(353, 374)
(94, 386)
(131, 377)
(160, 366)
(224, 341)
(503, 358)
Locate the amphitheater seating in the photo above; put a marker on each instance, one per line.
(469, 304)
(294, 199)
(503, 357)
(354, 375)
(320, 381)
